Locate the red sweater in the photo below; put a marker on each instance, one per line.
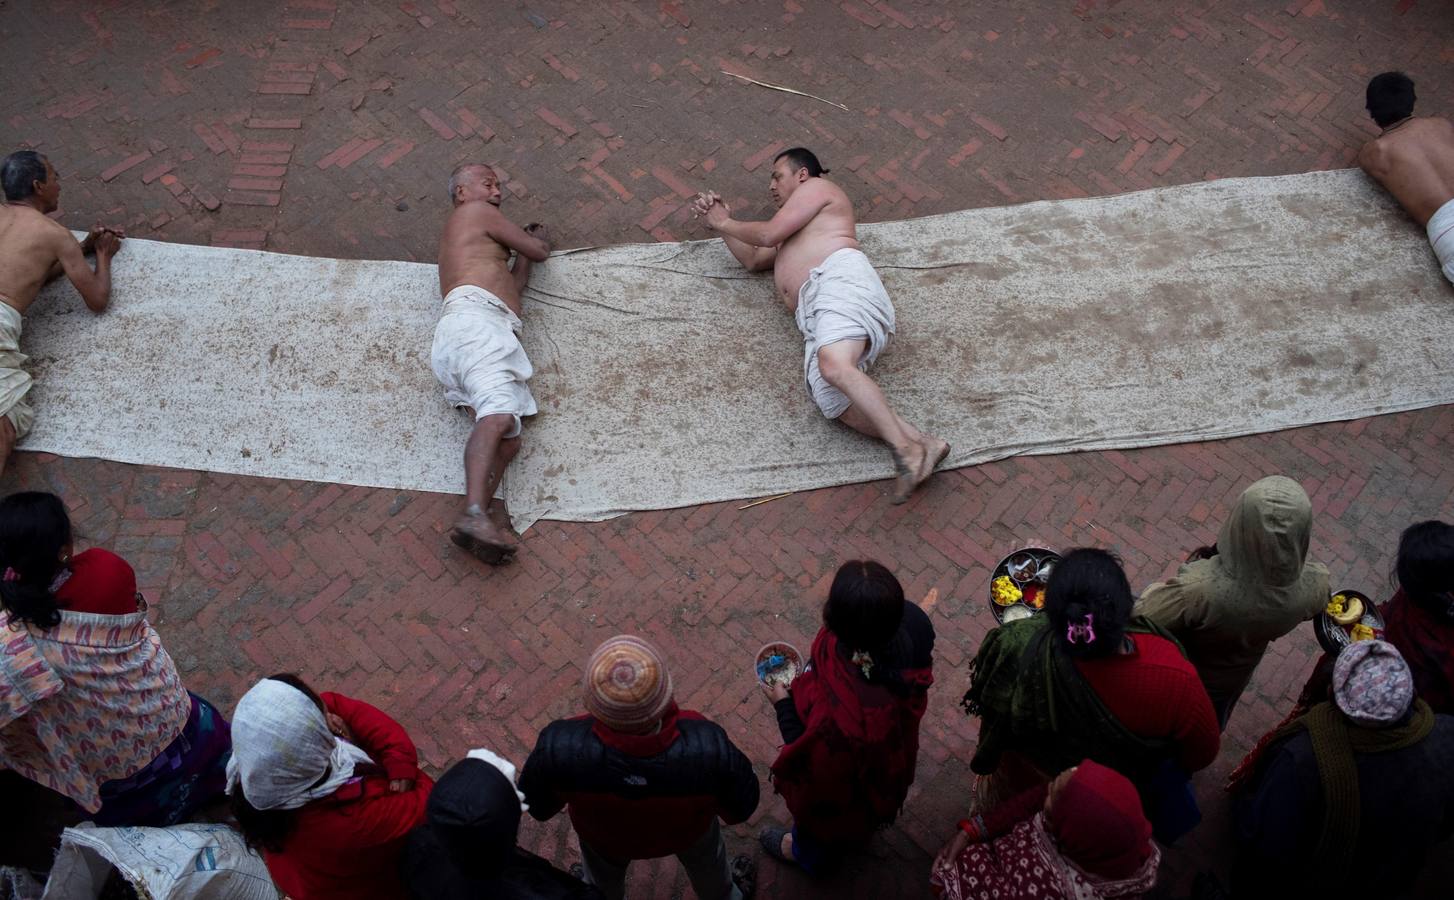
(1156, 693)
(347, 846)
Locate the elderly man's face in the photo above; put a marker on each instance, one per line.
(484, 185)
(50, 192)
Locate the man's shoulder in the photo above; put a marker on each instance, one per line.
(37, 222)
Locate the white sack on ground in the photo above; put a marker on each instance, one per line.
(667, 376)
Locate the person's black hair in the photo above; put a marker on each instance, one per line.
(19, 173)
(802, 158)
(1425, 567)
(34, 529)
(268, 829)
(262, 829)
(1390, 98)
(292, 680)
(865, 606)
(1088, 594)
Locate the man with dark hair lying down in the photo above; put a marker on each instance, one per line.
(1414, 159)
(841, 307)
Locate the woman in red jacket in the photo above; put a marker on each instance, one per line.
(326, 788)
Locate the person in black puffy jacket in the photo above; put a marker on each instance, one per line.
(641, 778)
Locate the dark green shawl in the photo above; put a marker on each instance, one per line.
(1031, 699)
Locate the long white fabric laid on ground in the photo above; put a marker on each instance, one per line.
(668, 376)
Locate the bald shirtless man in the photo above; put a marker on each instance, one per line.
(477, 355)
(1414, 160)
(35, 248)
(836, 297)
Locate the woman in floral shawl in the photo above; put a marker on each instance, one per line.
(851, 722)
(1080, 837)
(94, 720)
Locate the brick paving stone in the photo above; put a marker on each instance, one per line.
(604, 117)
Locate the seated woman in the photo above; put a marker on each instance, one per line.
(1258, 586)
(1080, 837)
(1085, 680)
(850, 722)
(327, 788)
(467, 848)
(1419, 620)
(94, 721)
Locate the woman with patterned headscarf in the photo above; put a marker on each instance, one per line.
(1348, 799)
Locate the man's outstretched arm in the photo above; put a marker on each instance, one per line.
(521, 269)
(753, 259)
(800, 209)
(93, 286)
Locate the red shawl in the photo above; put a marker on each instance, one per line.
(1426, 641)
(849, 772)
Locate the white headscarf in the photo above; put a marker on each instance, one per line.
(281, 747)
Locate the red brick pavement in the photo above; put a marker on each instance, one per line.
(324, 128)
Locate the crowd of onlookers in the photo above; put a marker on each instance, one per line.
(1093, 717)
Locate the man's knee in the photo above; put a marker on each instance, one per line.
(497, 424)
(835, 365)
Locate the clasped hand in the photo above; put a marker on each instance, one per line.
(709, 206)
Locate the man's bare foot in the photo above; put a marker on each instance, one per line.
(935, 450)
(483, 538)
(908, 465)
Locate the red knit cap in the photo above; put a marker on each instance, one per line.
(1097, 821)
(627, 685)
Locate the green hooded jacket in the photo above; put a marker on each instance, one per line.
(1227, 609)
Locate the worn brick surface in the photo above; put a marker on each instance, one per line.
(325, 128)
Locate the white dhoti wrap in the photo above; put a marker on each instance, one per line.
(842, 300)
(478, 358)
(14, 380)
(1441, 238)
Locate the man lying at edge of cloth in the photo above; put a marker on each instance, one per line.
(1413, 158)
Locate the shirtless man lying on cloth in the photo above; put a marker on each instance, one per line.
(35, 248)
(477, 355)
(1414, 159)
(839, 303)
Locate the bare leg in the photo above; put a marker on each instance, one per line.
(7, 441)
(485, 456)
(915, 454)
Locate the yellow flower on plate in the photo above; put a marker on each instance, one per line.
(1004, 591)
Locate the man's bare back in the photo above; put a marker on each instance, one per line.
(1414, 161)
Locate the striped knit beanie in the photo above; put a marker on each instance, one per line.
(628, 688)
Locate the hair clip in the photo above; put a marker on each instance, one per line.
(1086, 631)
